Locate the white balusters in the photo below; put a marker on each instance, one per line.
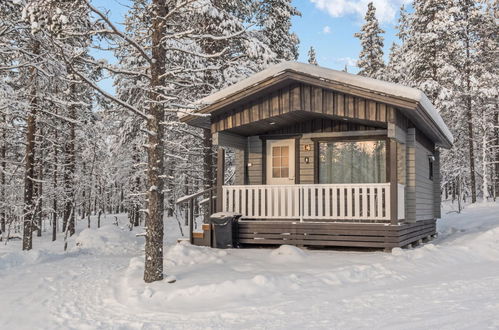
(309, 202)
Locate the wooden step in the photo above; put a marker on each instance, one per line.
(198, 234)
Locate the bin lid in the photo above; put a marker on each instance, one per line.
(222, 215)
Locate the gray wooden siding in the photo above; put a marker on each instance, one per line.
(424, 186)
(410, 188)
(436, 186)
(301, 97)
(255, 158)
(307, 170)
(323, 125)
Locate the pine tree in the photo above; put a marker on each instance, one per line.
(275, 18)
(397, 69)
(370, 61)
(312, 57)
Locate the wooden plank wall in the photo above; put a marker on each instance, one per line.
(424, 186)
(255, 146)
(334, 234)
(302, 97)
(307, 169)
(410, 189)
(437, 196)
(323, 125)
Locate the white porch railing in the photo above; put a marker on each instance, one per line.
(370, 201)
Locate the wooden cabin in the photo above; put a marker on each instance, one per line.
(327, 158)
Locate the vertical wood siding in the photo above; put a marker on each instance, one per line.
(437, 197)
(410, 189)
(255, 158)
(307, 170)
(301, 97)
(424, 186)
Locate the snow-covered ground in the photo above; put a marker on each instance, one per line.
(451, 283)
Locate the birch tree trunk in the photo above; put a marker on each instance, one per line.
(153, 270)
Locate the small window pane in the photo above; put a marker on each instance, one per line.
(276, 162)
(284, 151)
(276, 172)
(276, 151)
(284, 162)
(284, 172)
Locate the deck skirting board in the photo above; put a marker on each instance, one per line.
(333, 234)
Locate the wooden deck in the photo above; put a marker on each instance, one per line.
(334, 234)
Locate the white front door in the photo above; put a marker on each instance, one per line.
(281, 161)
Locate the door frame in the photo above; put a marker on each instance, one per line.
(264, 139)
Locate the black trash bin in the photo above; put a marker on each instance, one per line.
(224, 229)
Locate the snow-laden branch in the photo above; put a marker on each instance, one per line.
(114, 69)
(119, 33)
(221, 38)
(64, 118)
(214, 55)
(109, 96)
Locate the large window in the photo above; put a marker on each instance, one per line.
(352, 162)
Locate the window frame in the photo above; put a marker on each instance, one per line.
(363, 138)
(431, 167)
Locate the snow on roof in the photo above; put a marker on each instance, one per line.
(375, 85)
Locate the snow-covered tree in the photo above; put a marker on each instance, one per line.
(275, 18)
(397, 69)
(312, 59)
(370, 61)
(446, 52)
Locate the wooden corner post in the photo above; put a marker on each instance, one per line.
(393, 164)
(393, 182)
(220, 177)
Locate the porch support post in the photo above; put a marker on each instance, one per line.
(410, 189)
(220, 177)
(393, 182)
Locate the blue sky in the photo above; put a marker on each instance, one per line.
(332, 36)
(327, 25)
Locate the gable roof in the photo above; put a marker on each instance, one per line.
(404, 93)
